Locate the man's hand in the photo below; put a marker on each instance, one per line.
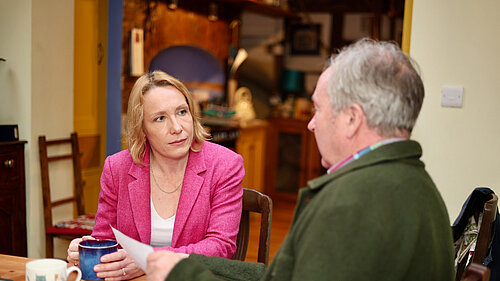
(161, 263)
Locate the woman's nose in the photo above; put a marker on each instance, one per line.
(175, 127)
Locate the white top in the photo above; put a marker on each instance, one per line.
(161, 229)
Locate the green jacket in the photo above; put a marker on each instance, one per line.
(377, 218)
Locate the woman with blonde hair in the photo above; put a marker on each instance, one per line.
(171, 189)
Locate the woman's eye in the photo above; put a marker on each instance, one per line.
(161, 118)
(183, 112)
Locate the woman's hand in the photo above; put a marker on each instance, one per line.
(117, 266)
(160, 263)
(73, 256)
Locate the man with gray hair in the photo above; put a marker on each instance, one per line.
(376, 214)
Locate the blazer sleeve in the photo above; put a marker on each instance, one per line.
(225, 212)
(107, 204)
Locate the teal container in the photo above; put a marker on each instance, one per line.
(292, 81)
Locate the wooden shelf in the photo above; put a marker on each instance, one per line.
(260, 7)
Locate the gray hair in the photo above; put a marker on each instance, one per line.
(380, 78)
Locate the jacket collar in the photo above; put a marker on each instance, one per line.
(140, 193)
(191, 187)
(388, 152)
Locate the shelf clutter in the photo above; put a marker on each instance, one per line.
(261, 7)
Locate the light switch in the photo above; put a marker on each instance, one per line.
(451, 96)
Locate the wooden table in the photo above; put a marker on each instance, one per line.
(14, 268)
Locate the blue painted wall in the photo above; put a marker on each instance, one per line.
(114, 98)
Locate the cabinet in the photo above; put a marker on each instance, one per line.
(251, 145)
(292, 157)
(248, 140)
(12, 199)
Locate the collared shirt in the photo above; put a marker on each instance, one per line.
(362, 152)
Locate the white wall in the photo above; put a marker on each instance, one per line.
(36, 85)
(456, 43)
(15, 73)
(15, 77)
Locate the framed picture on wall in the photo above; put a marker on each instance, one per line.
(305, 39)
(307, 46)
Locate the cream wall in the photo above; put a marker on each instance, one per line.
(52, 102)
(15, 73)
(456, 43)
(36, 87)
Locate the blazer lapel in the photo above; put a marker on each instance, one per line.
(191, 187)
(140, 197)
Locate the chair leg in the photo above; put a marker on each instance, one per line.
(49, 246)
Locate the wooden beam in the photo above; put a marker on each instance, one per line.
(405, 44)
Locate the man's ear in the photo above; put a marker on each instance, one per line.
(355, 118)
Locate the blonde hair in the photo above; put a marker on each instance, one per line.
(136, 139)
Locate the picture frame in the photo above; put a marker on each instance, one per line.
(309, 59)
(305, 39)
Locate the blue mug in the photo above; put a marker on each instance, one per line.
(90, 252)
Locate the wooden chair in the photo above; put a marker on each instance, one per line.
(484, 236)
(82, 224)
(476, 272)
(254, 201)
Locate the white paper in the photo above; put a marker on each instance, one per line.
(138, 251)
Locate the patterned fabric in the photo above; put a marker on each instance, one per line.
(360, 153)
(83, 222)
(79, 226)
(464, 246)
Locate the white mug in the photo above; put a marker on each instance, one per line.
(50, 270)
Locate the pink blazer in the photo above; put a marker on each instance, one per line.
(209, 210)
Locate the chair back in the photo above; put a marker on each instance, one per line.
(45, 160)
(476, 272)
(484, 236)
(254, 201)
